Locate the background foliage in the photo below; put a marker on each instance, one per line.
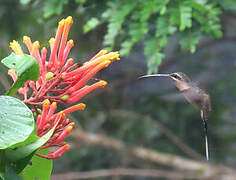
(152, 22)
(152, 31)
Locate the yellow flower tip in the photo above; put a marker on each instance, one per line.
(69, 128)
(54, 104)
(106, 63)
(26, 39)
(15, 46)
(69, 20)
(61, 22)
(12, 46)
(103, 52)
(61, 113)
(116, 56)
(15, 42)
(44, 50)
(81, 106)
(36, 44)
(70, 60)
(103, 83)
(46, 103)
(11, 72)
(67, 146)
(51, 40)
(112, 56)
(71, 42)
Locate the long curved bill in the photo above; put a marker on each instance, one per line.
(155, 75)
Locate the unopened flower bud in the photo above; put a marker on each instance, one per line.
(65, 97)
(49, 75)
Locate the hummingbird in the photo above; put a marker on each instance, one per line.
(194, 95)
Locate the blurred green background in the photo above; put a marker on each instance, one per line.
(150, 39)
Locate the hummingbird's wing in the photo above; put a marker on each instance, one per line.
(199, 99)
(193, 96)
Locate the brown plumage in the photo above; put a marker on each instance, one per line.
(194, 95)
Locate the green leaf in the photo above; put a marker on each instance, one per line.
(19, 165)
(25, 2)
(32, 138)
(10, 176)
(16, 121)
(53, 7)
(119, 13)
(163, 41)
(174, 15)
(126, 47)
(162, 26)
(228, 4)
(151, 46)
(2, 163)
(163, 6)
(39, 168)
(147, 9)
(154, 61)
(2, 176)
(152, 51)
(80, 1)
(163, 10)
(26, 67)
(189, 39)
(199, 5)
(24, 151)
(185, 15)
(136, 32)
(90, 25)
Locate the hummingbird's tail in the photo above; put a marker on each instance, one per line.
(204, 120)
(206, 140)
(206, 144)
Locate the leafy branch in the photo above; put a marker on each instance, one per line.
(154, 21)
(151, 22)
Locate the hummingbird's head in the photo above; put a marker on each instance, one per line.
(181, 80)
(179, 76)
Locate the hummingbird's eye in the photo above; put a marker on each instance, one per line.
(176, 76)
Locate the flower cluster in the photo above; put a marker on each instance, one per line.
(60, 81)
(48, 119)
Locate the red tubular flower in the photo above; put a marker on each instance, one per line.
(42, 121)
(56, 154)
(60, 81)
(80, 106)
(75, 96)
